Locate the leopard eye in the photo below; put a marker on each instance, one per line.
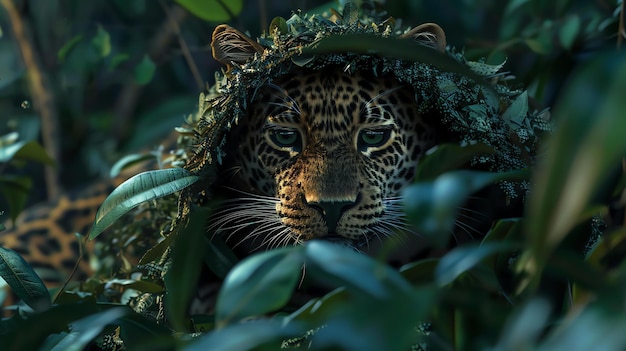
(373, 138)
(285, 139)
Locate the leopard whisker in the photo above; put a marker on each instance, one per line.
(290, 103)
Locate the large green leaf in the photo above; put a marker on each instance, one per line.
(182, 276)
(464, 258)
(259, 284)
(341, 266)
(433, 206)
(137, 190)
(246, 336)
(42, 331)
(586, 147)
(23, 280)
(448, 157)
(525, 326)
(213, 10)
(84, 330)
(219, 257)
(403, 49)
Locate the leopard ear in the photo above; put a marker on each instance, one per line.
(231, 46)
(429, 34)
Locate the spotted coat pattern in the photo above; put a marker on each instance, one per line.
(322, 154)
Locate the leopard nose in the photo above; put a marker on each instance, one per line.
(332, 212)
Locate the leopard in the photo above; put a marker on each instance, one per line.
(324, 155)
(328, 153)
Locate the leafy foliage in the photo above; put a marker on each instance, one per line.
(553, 279)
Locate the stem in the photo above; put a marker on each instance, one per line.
(43, 99)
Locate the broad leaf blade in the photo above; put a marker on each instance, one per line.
(182, 276)
(23, 280)
(585, 149)
(259, 284)
(448, 157)
(247, 336)
(342, 266)
(433, 206)
(403, 49)
(137, 190)
(462, 259)
(213, 10)
(84, 330)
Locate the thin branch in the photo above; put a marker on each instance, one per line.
(42, 98)
(184, 47)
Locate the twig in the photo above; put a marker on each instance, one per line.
(184, 48)
(43, 99)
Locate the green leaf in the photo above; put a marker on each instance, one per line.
(137, 190)
(23, 280)
(102, 42)
(155, 253)
(26, 150)
(182, 277)
(342, 266)
(278, 24)
(84, 330)
(464, 258)
(403, 49)
(316, 311)
(67, 48)
(139, 285)
(569, 31)
(34, 332)
(433, 206)
(587, 145)
(15, 190)
(213, 10)
(129, 161)
(572, 267)
(505, 230)
(144, 71)
(117, 60)
(420, 272)
(367, 323)
(448, 157)
(525, 326)
(259, 284)
(219, 257)
(516, 113)
(246, 336)
(596, 327)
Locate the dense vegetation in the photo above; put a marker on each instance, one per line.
(107, 77)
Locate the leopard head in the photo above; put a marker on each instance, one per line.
(320, 153)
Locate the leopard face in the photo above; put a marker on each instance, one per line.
(322, 154)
